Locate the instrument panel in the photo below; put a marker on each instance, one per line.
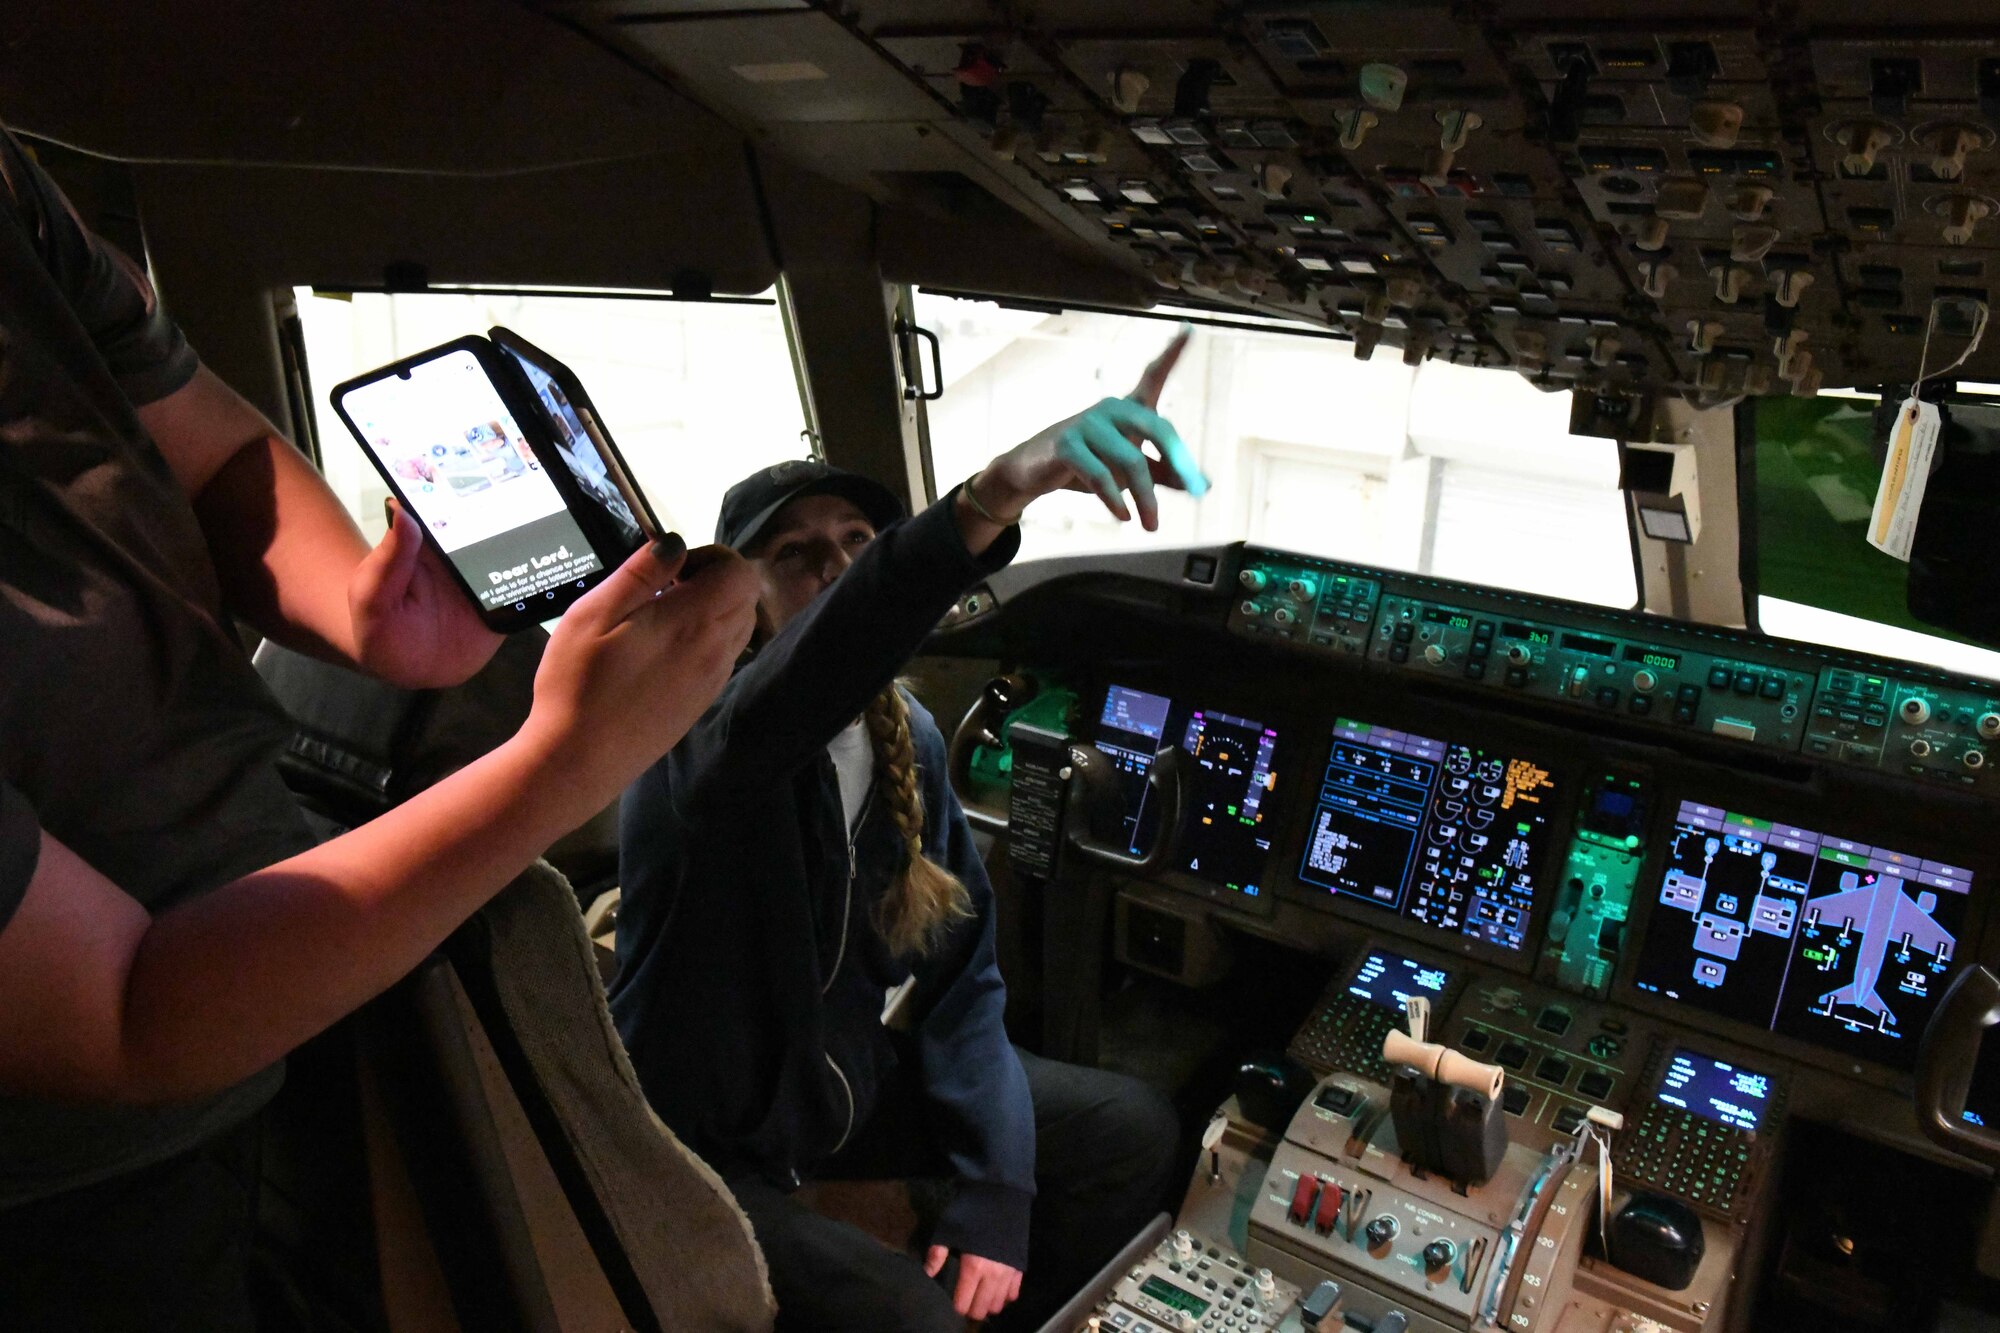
(1493, 796)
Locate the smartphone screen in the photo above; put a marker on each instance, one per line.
(577, 443)
(460, 460)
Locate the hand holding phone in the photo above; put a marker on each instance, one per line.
(413, 625)
(528, 508)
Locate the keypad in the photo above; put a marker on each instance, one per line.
(1346, 1032)
(1686, 1155)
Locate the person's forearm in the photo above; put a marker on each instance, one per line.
(222, 986)
(284, 548)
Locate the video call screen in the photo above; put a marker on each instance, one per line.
(472, 479)
(1715, 1090)
(1225, 837)
(1443, 833)
(1389, 980)
(1806, 934)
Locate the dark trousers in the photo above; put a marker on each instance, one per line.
(163, 1248)
(1106, 1160)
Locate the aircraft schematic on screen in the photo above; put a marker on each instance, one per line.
(1885, 916)
(1804, 933)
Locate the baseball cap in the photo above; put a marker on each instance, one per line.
(753, 502)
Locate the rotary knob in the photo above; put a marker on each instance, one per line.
(1439, 1254)
(1434, 654)
(1266, 1288)
(1644, 681)
(1974, 758)
(1519, 655)
(1915, 710)
(1380, 1231)
(1184, 1246)
(1253, 579)
(1250, 607)
(1989, 726)
(1284, 615)
(1303, 590)
(1921, 748)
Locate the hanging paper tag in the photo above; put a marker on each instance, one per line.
(1892, 527)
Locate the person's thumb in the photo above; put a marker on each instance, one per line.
(934, 1260)
(645, 574)
(383, 577)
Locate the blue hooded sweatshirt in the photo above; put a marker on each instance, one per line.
(751, 979)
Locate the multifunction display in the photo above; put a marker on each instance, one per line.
(1804, 934)
(1390, 980)
(1715, 1090)
(1447, 834)
(1224, 836)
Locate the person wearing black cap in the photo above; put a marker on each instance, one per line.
(807, 982)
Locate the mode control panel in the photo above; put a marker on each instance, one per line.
(1729, 696)
(1914, 728)
(1562, 1054)
(1313, 604)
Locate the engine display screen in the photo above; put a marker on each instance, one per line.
(1715, 1090)
(1444, 833)
(1225, 830)
(1390, 980)
(1804, 934)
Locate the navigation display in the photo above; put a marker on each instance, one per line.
(1446, 834)
(1390, 980)
(1804, 934)
(1224, 835)
(1715, 1090)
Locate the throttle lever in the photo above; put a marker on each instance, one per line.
(1095, 794)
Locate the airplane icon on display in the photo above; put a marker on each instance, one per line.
(1885, 916)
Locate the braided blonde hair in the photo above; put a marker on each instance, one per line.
(925, 897)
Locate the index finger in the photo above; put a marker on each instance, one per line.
(1147, 391)
(1182, 469)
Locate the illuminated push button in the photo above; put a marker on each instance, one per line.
(1773, 687)
(1718, 678)
(1744, 683)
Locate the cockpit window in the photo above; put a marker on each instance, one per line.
(1817, 464)
(1440, 469)
(697, 394)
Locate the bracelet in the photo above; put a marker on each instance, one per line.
(972, 498)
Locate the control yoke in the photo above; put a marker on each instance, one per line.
(1096, 808)
(1945, 1061)
(982, 725)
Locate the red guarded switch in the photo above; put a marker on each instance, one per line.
(1329, 1208)
(1302, 1200)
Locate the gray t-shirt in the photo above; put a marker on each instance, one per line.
(132, 726)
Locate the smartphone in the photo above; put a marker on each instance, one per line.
(465, 451)
(581, 440)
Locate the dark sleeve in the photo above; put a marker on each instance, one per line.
(817, 676)
(109, 294)
(20, 850)
(986, 1119)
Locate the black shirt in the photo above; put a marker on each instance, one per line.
(132, 726)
